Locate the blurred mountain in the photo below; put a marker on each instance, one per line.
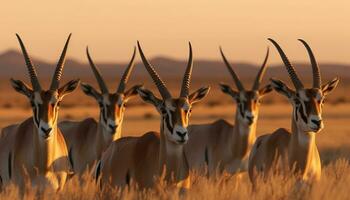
(12, 65)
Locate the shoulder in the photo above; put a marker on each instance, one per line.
(149, 137)
(280, 136)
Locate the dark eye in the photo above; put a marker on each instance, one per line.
(32, 104)
(297, 101)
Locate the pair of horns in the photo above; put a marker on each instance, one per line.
(32, 71)
(164, 92)
(124, 79)
(291, 70)
(235, 77)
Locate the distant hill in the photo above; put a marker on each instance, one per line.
(12, 65)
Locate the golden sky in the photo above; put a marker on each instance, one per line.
(111, 28)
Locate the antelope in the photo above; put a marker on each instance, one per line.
(221, 146)
(142, 159)
(36, 149)
(87, 139)
(294, 151)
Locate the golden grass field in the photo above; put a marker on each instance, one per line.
(333, 143)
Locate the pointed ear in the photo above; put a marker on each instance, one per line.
(198, 95)
(21, 87)
(228, 90)
(265, 90)
(149, 97)
(330, 86)
(90, 91)
(280, 87)
(68, 88)
(131, 92)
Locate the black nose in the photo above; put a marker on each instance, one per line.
(46, 131)
(317, 122)
(113, 127)
(182, 135)
(250, 119)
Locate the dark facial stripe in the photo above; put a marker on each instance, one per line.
(103, 114)
(36, 112)
(241, 109)
(167, 123)
(301, 112)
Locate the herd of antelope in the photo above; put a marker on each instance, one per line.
(42, 152)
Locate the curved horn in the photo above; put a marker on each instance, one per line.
(124, 79)
(261, 72)
(291, 71)
(59, 68)
(156, 79)
(31, 69)
(315, 69)
(187, 76)
(232, 72)
(97, 74)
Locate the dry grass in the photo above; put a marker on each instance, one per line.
(333, 185)
(333, 144)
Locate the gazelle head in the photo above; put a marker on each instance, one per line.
(45, 103)
(175, 112)
(307, 102)
(112, 105)
(248, 101)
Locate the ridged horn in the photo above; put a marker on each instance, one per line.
(31, 69)
(59, 68)
(261, 72)
(187, 76)
(97, 74)
(315, 69)
(232, 72)
(154, 75)
(124, 79)
(291, 71)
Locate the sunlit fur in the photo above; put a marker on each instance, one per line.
(87, 139)
(35, 148)
(220, 146)
(293, 151)
(142, 159)
(34, 151)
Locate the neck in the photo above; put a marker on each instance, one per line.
(243, 137)
(104, 138)
(172, 159)
(44, 150)
(301, 148)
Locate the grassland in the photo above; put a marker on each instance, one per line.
(332, 142)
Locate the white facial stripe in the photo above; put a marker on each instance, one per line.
(318, 96)
(186, 106)
(120, 101)
(303, 96)
(106, 100)
(242, 96)
(54, 98)
(37, 98)
(169, 105)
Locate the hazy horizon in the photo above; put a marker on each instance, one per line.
(164, 28)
